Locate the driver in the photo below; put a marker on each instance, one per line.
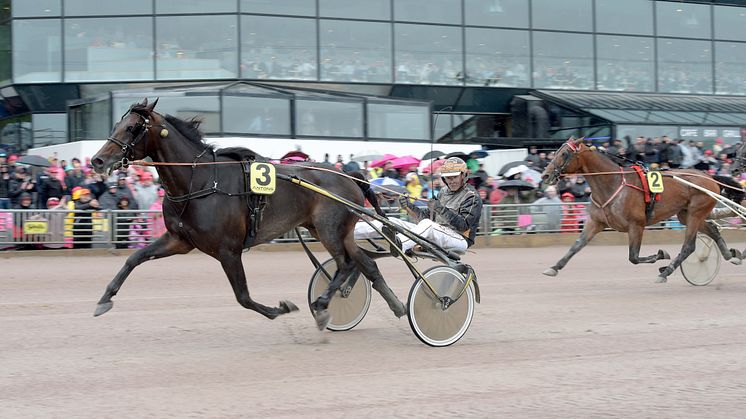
(450, 221)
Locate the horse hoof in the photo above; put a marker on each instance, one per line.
(662, 254)
(550, 272)
(400, 310)
(322, 318)
(102, 308)
(661, 280)
(735, 261)
(288, 306)
(735, 253)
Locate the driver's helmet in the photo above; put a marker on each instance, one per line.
(453, 166)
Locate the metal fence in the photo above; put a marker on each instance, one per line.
(57, 229)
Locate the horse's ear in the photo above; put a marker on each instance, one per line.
(152, 105)
(144, 103)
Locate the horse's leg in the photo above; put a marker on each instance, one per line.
(634, 238)
(732, 255)
(369, 268)
(591, 228)
(690, 240)
(166, 245)
(233, 267)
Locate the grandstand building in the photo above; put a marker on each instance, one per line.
(499, 72)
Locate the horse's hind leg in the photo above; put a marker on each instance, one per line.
(634, 237)
(591, 228)
(166, 245)
(709, 228)
(369, 268)
(233, 267)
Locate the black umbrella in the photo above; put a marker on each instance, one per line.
(459, 154)
(433, 155)
(510, 165)
(521, 185)
(34, 160)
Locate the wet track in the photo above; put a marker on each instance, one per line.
(601, 339)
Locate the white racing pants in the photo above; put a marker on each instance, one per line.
(438, 234)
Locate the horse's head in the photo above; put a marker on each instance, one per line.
(129, 139)
(564, 161)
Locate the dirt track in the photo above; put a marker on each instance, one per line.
(599, 340)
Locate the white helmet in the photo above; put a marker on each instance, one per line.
(453, 166)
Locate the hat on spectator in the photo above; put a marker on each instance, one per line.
(12, 158)
(121, 176)
(110, 185)
(568, 195)
(52, 202)
(76, 192)
(25, 195)
(3, 153)
(708, 152)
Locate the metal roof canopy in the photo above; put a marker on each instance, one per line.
(654, 108)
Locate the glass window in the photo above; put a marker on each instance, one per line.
(651, 131)
(398, 121)
(563, 60)
(36, 51)
(510, 13)
(497, 57)
(284, 7)
(90, 121)
(629, 16)
(194, 6)
(108, 49)
(256, 115)
(428, 54)
(431, 11)
(625, 63)
(196, 47)
(49, 128)
(729, 23)
(573, 15)
(355, 51)
(107, 7)
(5, 53)
(359, 9)
(203, 106)
(730, 61)
(4, 9)
(36, 8)
(684, 20)
(328, 119)
(684, 66)
(278, 48)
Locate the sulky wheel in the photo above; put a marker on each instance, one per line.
(701, 267)
(434, 321)
(348, 305)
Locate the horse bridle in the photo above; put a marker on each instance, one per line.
(567, 154)
(128, 149)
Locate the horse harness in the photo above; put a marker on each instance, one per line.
(650, 197)
(255, 202)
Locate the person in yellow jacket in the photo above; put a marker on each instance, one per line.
(413, 185)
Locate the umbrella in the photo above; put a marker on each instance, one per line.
(433, 167)
(34, 160)
(404, 161)
(383, 160)
(510, 165)
(367, 155)
(390, 189)
(433, 155)
(459, 154)
(521, 185)
(292, 159)
(515, 170)
(386, 181)
(478, 154)
(295, 153)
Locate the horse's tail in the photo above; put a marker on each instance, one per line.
(368, 192)
(735, 192)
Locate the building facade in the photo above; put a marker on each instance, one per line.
(501, 72)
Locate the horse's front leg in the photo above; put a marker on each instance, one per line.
(592, 227)
(233, 267)
(166, 245)
(634, 238)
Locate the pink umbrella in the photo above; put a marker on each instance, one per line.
(383, 160)
(433, 167)
(404, 161)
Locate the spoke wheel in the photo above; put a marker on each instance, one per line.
(702, 266)
(430, 322)
(346, 311)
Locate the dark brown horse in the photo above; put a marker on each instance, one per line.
(207, 207)
(618, 202)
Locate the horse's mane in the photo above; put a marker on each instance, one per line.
(191, 131)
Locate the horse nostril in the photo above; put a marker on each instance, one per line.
(97, 162)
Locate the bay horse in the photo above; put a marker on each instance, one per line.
(617, 201)
(206, 207)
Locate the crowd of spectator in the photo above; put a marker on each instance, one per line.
(74, 186)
